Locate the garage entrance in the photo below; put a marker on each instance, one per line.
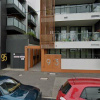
(32, 56)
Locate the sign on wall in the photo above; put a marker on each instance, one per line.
(52, 62)
(3, 57)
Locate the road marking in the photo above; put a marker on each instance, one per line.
(43, 78)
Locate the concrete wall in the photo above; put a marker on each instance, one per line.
(16, 43)
(16, 47)
(78, 16)
(82, 44)
(80, 64)
(0, 33)
(3, 35)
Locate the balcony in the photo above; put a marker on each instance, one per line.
(86, 12)
(77, 40)
(86, 8)
(31, 30)
(31, 20)
(73, 36)
(14, 25)
(15, 7)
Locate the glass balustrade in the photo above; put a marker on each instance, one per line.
(77, 8)
(73, 36)
(32, 18)
(31, 30)
(17, 3)
(15, 22)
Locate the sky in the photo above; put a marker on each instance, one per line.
(35, 4)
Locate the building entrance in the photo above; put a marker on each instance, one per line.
(32, 56)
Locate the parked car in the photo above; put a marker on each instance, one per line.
(11, 89)
(80, 89)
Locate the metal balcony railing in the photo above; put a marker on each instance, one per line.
(12, 21)
(73, 36)
(77, 8)
(30, 17)
(18, 4)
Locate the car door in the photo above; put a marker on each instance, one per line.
(2, 97)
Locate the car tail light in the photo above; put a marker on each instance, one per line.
(62, 98)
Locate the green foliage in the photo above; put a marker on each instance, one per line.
(66, 40)
(31, 34)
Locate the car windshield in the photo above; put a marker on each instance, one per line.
(9, 85)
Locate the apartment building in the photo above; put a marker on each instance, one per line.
(18, 29)
(70, 35)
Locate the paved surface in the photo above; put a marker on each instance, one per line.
(37, 67)
(49, 83)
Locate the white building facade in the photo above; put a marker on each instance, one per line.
(77, 34)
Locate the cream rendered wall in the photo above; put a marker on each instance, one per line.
(80, 64)
(76, 16)
(78, 44)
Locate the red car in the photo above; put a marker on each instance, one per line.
(80, 89)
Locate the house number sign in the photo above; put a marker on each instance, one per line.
(3, 57)
(48, 61)
(57, 62)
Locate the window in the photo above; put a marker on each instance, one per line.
(65, 88)
(91, 93)
(9, 85)
(58, 51)
(57, 30)
(63, 33)
(52, 51)
(72, 53)
(63, 29)
(89, 53)
(81, 33)
(57, 33)
(63, 53)
(76, 53)
(83, 53)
